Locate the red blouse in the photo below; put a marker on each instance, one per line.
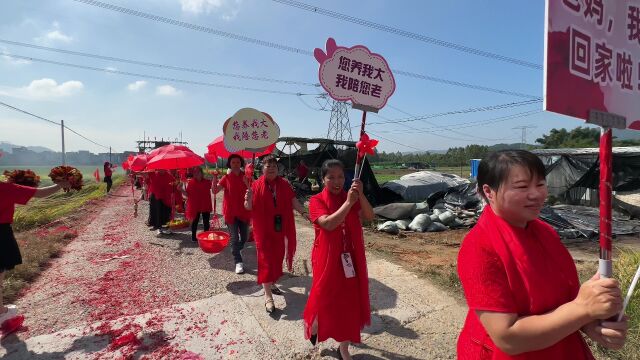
(508, 269)
(161, 185)
(234, 192)
(198, 197)
(10, 195)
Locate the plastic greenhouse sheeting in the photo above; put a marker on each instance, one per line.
(418, 186)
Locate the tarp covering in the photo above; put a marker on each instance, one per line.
(571, 173)
(418, 186)
(582, 221)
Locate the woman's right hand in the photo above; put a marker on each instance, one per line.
(248, 196)
(600, 298)
(353, 195)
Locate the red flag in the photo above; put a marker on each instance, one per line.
(96, 174)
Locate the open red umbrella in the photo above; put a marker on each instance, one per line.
(165, 148)
(217, 147)
(138, 163)
(175, 159)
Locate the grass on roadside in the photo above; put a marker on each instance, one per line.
(624, 267)
(43, 211)
(37, 249)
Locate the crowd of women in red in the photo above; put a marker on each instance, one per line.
(520, 283)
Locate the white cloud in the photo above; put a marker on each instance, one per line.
(228, 9)
(138, 85)
(111, 68)
(167, 90)
(44, 89)
(54, 35)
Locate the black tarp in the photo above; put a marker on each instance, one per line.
(571, 175)
(585, 220)
(325, 151)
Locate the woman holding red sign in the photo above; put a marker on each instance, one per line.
(235, 215)
(338, 305)
(272, 201)
(521, 284)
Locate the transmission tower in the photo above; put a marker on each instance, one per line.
(339, 125)
(523, 140)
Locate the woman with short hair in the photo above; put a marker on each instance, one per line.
(520, 282)
(272, 201)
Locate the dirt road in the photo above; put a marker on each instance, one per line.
(119, 291)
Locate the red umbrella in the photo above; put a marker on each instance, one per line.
(211, 157)
(170, 147)
(138, 163)
(176, 159)
(217, 147)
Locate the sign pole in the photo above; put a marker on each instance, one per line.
(359, 160)
(606, 121)
(605, 263)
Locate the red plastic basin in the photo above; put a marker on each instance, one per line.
(213, 246)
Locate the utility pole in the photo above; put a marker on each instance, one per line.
(523, 140)
(64, 155)
(109, 154)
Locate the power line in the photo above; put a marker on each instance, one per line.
(190, 26)
(465, 85)
(192, 82)
(281, 47)
(28, 113)
(53, 122)
(472, 137)
(472, 123)
(169, 67)
(454, 112)
(395, 142)
(408, 34)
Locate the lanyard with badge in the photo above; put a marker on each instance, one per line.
(345, 256)
(277, 219)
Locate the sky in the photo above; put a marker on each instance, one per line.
(116, 110)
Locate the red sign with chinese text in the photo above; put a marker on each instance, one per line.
(355, 74)
(592, 58)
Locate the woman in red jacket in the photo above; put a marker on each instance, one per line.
(521, 284)
(338, 305)
(198, 192)
(272, 201)
(10, 195)
(235, 215)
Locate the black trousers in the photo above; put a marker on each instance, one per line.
(159, 213)
(9, 252)
(109, 182)
(194, 224)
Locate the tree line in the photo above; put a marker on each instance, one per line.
(579, 137)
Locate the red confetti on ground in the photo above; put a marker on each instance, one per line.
(126, 339)
(10, 326)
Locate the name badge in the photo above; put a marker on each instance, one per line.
(347, 265)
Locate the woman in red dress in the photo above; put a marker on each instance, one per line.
(272, 201)
(338, 305)
(520, 282)
(235, 215)
(161, 188)
(10, 195)
(198, 192)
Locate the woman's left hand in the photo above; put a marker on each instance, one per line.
(609, 334)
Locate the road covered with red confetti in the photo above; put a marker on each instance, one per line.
(119, 292)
